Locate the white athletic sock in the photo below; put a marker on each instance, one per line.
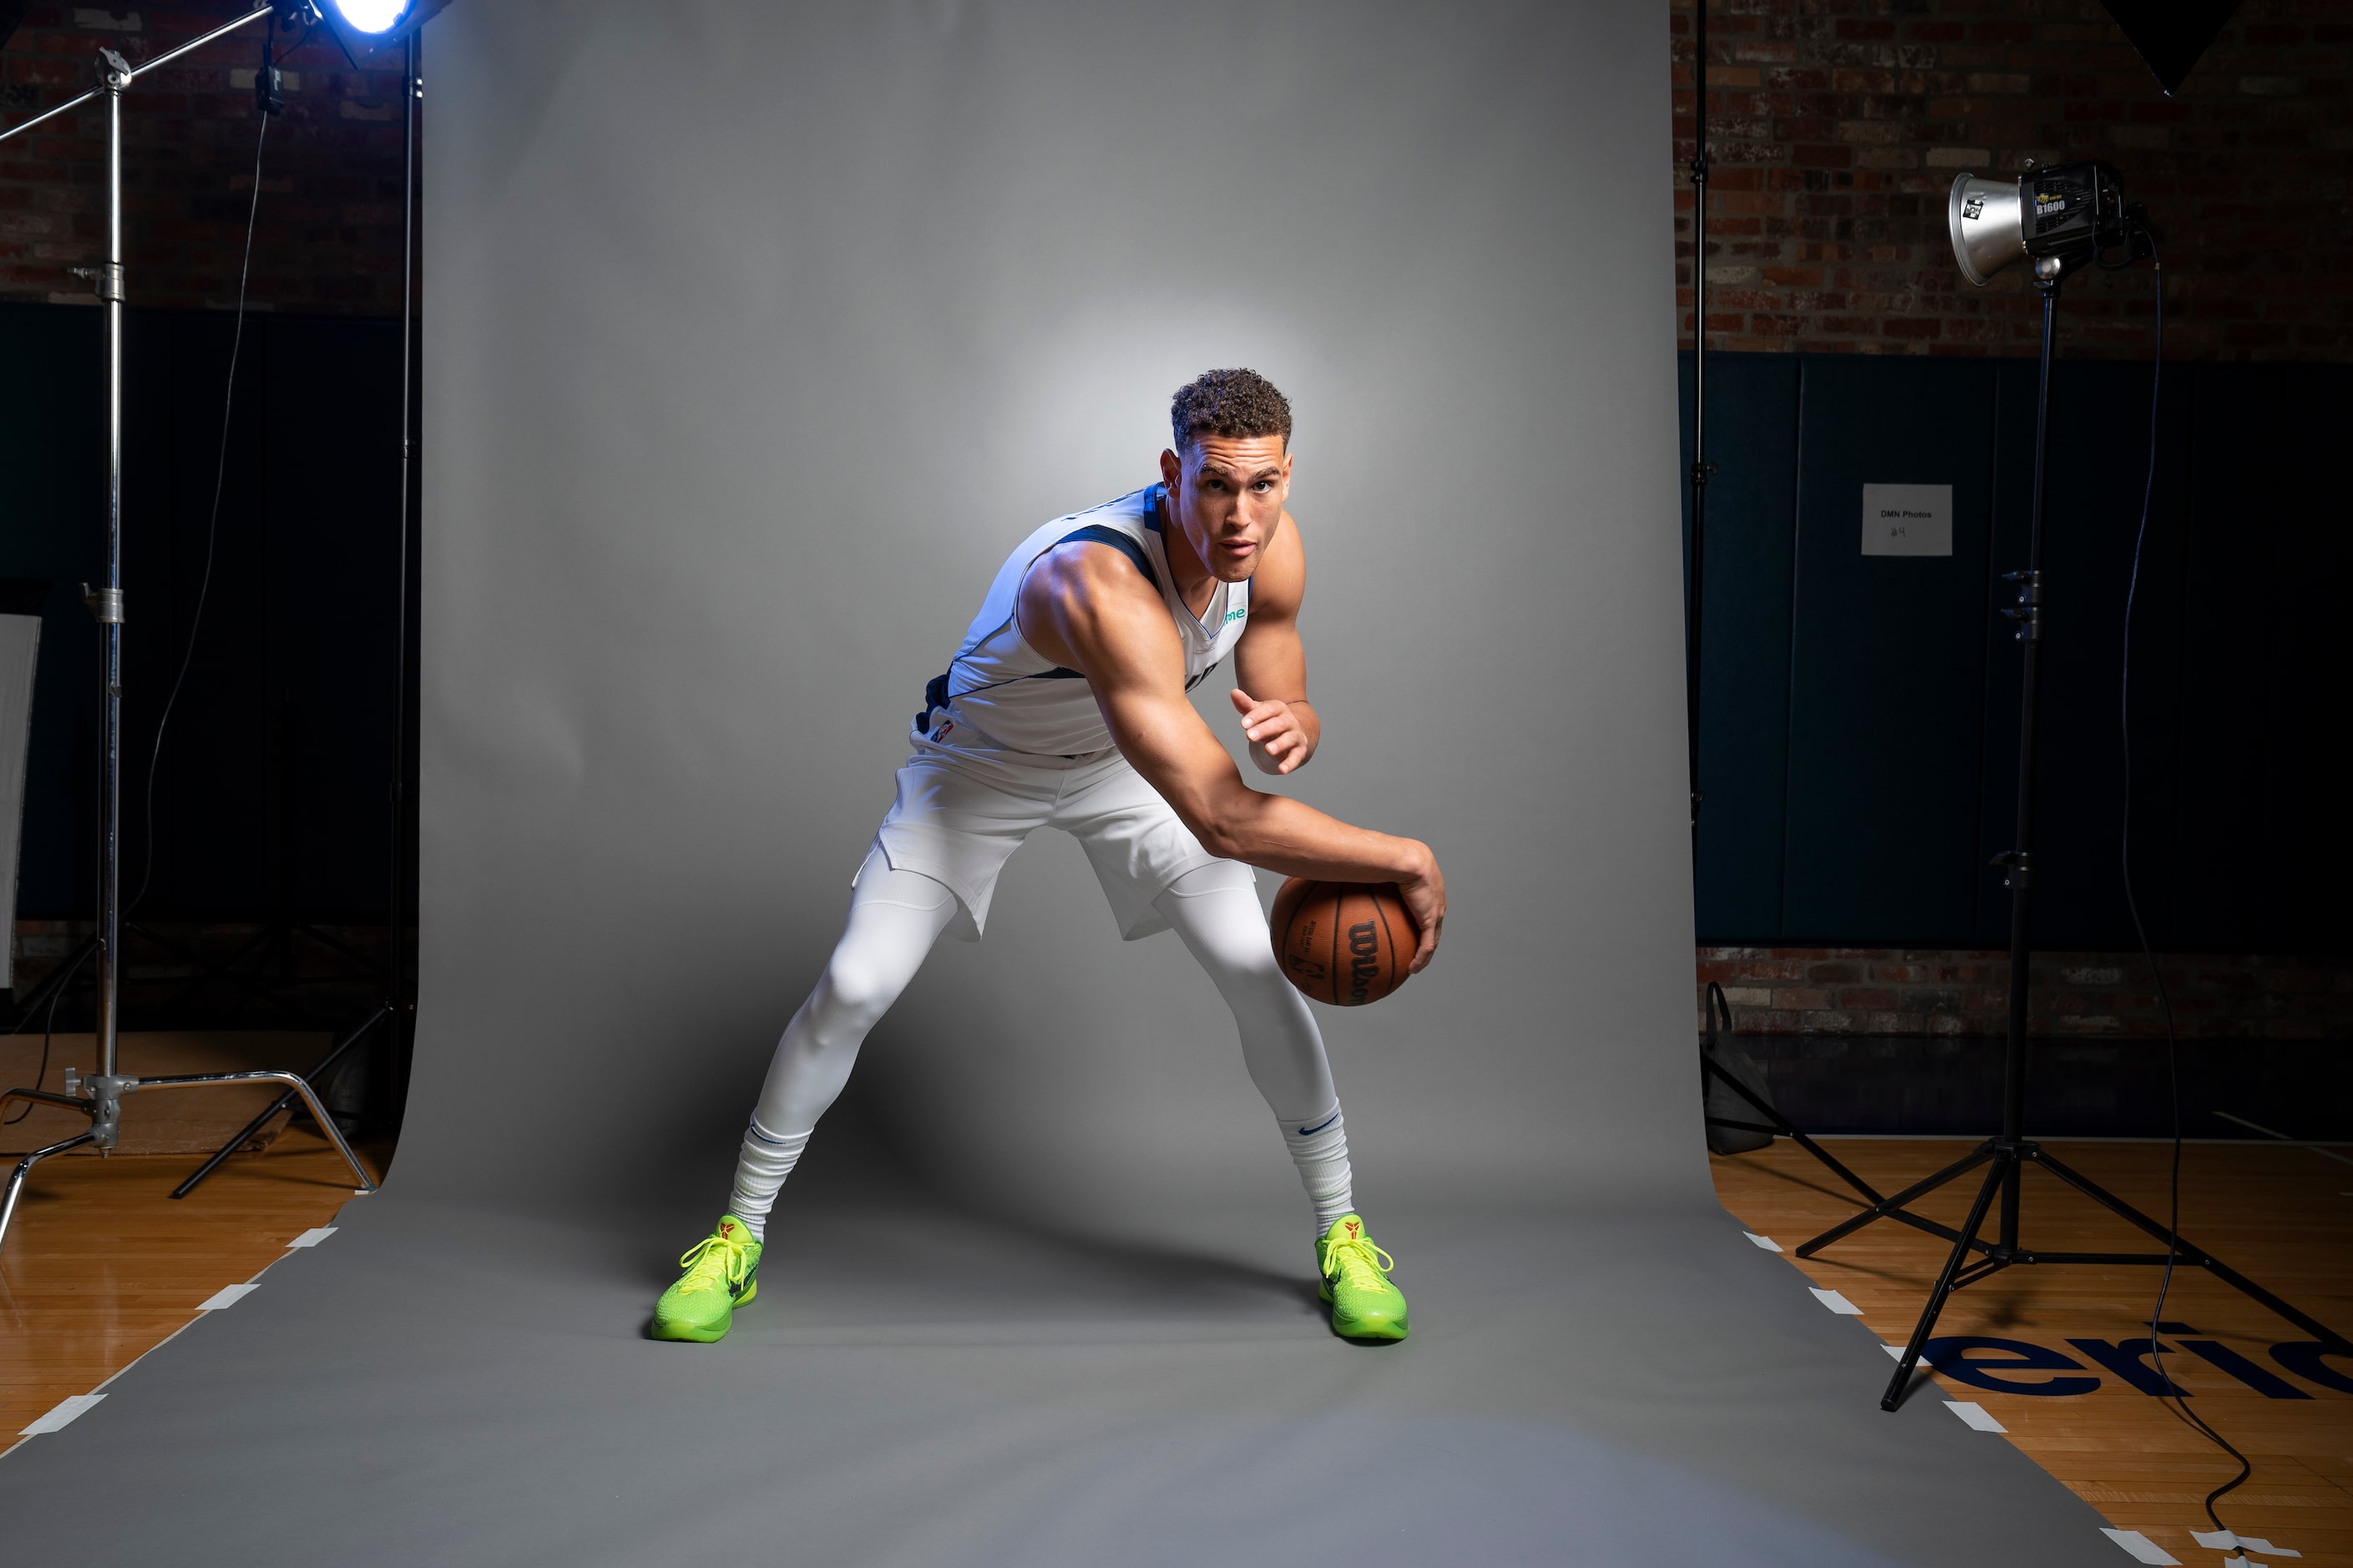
(766, 1161)
(1319, 1147)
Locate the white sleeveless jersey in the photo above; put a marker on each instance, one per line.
(1003, 700)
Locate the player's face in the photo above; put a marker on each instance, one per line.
(1226, 492)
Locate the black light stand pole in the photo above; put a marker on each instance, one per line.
(2018, 863)
(1694, 592)
(398, 1011)
(1700, 470)
(402, 1001)
(2011, 1151)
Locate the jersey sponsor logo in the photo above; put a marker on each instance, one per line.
(1365, 946)
(1236, 614)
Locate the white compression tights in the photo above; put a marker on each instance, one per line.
(894, 918)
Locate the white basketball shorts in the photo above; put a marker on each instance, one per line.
(959, 824)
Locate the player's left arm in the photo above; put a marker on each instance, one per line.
(1271, 663)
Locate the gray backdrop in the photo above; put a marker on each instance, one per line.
(761, 334)
(758, 334)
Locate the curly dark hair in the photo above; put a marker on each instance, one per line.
(1229, 402)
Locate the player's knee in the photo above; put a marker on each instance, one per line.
(1250, 965)
(855, 995)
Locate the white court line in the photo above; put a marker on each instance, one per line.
(2143, 1549)
(2227, 1541)
(227, 1296)
(95, 1395)
(1767, 1242)
(61, 1415)
(312, 1237)
(1895, 1352)
(1975, 1415)
(1836, 1302)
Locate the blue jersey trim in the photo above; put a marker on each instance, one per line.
(1096, 533)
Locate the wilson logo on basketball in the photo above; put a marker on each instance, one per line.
(1365, 944)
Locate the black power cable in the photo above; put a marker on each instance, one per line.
(211, 523)
(2167, 1390)
(49, 1028)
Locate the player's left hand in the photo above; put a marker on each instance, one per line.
(1279, 743)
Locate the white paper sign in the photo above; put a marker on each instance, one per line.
(1907, 520)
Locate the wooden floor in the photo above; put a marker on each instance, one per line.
(101, 1264)
(2280, 1215)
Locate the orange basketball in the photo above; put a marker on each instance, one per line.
(1344, 942)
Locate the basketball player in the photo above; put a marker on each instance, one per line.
(1066, 707)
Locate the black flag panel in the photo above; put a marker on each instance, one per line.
(2170, 34)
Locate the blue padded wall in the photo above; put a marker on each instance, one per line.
(1859, 714)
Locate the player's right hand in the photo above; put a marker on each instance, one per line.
(1425, 899)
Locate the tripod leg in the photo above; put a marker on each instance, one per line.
(1887, 1206)
(292, 1081)
(1710, 1067)
(24, 1168)
(2197, 1256)
(2004, 1161)
(319, 1071)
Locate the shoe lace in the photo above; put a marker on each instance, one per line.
(1359, 1262)
(714, 1262)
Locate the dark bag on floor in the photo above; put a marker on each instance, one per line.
(1720, 1045)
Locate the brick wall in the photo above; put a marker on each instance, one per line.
(1903, 991)
(327, 231)
(1836, 128)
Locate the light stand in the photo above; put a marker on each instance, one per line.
(99, 1097)
(2007, 1155)
(1700, 470)
(398, 1012)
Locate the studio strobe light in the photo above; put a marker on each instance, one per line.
(2065, 215)
(369, 16)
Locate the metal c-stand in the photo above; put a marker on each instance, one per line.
(99, 1096)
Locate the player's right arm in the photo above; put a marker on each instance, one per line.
(1086, 606)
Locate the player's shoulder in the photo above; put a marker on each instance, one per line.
(1097, 557)
(1094, 543)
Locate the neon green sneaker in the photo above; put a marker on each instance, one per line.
(722, 1274)
(1364, 1305)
